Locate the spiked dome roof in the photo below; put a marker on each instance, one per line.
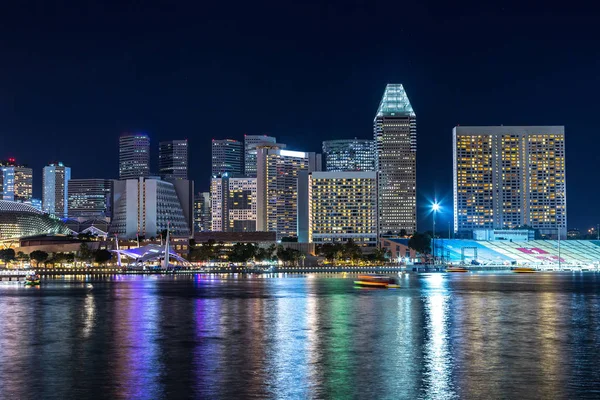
(394, 102)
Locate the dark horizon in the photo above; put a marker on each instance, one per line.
(77, 77)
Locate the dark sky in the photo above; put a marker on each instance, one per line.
(75, 74)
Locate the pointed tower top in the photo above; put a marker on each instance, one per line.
(395, 102)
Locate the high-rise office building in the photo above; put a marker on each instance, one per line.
(510, 176)
(90, 198)
(395, 132)
(277, 188)
(349, 155)
(250, 144)
(341, 206)
(227, 157)
(55, 191)
(134, 156)
(233, 204)
(146, 207)
(16, 181)
(173, 159)
(202, 215)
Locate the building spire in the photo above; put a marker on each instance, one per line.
(395, 102)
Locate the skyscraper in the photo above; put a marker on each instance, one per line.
(134, 155)
(227, 157)
(16, 181)
(341, 206)
(202, 215)
(233, 204)
(277, 188)
(173, 159)
(510, 176)
(395, 132)
(55, 191)
(250, 144)
(90, 198)
(349, 155)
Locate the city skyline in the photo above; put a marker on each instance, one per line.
(299, 100)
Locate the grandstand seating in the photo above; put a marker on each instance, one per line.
(535, 252)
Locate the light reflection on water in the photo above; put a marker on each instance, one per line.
(439, 336)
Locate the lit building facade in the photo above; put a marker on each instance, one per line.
(55, 185)
(349, 155)
(173, 159)
(146, 207)
(134, 156)
(233, 204)
(202, 213)
(395, 133)
(16, 181)
(90, 198)
(342, 206)
(227, 157)
(510, 176)
(250, 144)
(277, 188)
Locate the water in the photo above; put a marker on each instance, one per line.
(442, 336)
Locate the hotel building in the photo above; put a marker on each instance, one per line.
(395, 133)
(233, 204)
(341, 206)
(145, 207)
(509, 176)
(277, 188)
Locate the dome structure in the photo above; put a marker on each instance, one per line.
(20, 220)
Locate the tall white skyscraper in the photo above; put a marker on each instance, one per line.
(250, 144)
(55, 192)
(395, 132)
(510, 176)
(173, 159)
(134, 156)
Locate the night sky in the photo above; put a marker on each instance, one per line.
(74, 76)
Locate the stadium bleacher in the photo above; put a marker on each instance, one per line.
(504, 252)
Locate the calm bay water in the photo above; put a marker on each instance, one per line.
(441, 336)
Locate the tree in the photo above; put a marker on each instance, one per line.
(242, 252)
(7, 255)
(403, 233)
(38, 256)
(420, 242)
(288, 255)
(85, 253)
(22, 257)
(351, 251)
(102, 256)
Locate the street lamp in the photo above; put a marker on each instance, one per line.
(435, 207)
